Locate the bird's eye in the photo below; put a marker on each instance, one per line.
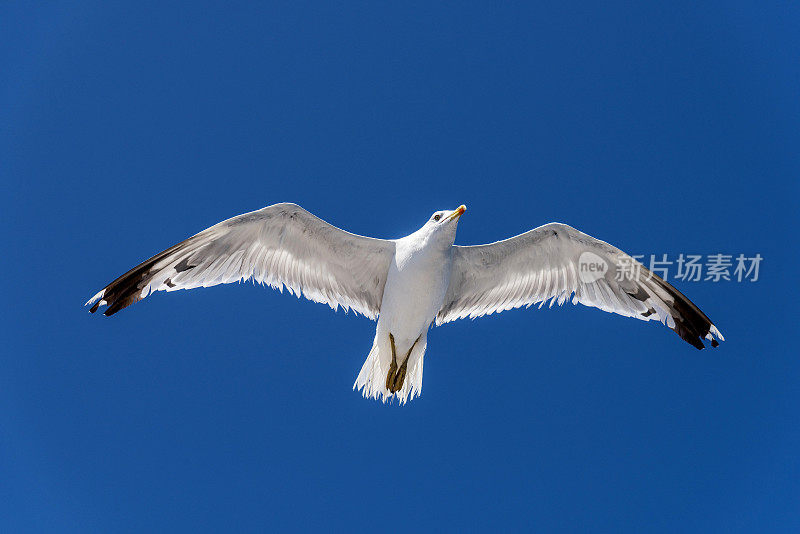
(437, 216)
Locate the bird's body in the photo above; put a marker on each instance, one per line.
(415, 287)
(410, 283)
(416, 284)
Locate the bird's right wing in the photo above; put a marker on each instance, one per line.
(280, 245)
(552, 263)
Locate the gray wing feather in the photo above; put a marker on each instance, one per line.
(545, 264)
(280, 245)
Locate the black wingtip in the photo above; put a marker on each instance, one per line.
(121, 303)
(691, 324)
(692, 327)
(127, 289)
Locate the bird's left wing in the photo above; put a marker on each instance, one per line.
(280, 245)
(552, 263)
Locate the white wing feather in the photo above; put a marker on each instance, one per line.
(280, 245)
(543, 265)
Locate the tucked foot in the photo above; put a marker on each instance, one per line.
(399, 378)
(396, 377)
(390, 376)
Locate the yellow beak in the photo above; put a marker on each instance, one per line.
(456, 214)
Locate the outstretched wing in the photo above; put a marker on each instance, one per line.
(552, 263)
(280, 245)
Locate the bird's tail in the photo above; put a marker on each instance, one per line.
(371, 380)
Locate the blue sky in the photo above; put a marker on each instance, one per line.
(664, 128)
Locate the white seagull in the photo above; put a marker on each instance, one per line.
(412, 282)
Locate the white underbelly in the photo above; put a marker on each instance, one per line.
(411, 299)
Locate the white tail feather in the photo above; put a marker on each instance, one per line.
(371, 380)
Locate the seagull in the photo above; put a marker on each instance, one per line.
(408, 284)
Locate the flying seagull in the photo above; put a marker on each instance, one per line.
(409, 283)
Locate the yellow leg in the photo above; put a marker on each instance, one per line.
(396, 377)
(393, 366)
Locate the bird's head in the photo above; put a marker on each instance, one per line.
(443, 224)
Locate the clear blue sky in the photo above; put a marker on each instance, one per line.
(663, 129)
